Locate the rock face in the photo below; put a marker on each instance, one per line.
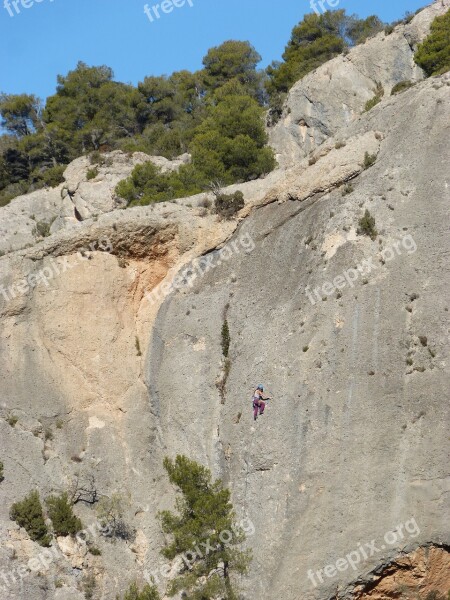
(110, 340)
(334, 95)
(88, 191)
(426, 570)
(96, 195)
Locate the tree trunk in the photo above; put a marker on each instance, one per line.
(228, 586)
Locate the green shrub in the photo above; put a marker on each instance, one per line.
(148, 592)
(52, 176)
(29, 514)
(389, 29)
(95, 158)
(42, 228)
(225, 338)
(12, 420)
(369, 160)
(229, 145)
(138, 347)
(92, 173)
(433, 55)
(89, 584)
(147, 185)
(2, 477)
(95, 551)
(401, 87)
(347, 189)
(376, 99)
(227, 205)
(367, 225)
(61, 514)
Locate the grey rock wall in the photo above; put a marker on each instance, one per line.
(334, 95)
(123, 369)
(354, 442)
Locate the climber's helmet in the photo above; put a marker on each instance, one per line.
(260, 388)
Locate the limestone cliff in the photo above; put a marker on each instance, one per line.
(110, 346)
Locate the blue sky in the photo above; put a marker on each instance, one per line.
(50, 36)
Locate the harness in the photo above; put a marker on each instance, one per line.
(256, 400)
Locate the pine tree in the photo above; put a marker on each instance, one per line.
(434, 54)
(203, 534)
(28, 514)
(62, 517)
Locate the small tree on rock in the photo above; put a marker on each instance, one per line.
(61, 514)
(29, 515)
(227, 205)
(203, 534)
(433, 55)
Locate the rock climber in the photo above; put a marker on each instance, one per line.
(259, 401)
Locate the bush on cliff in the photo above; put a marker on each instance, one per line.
(433, 55)
(62, 517)
(314, 41)
(29, 515)
(227, 205)
(229, 145)
(148, 592)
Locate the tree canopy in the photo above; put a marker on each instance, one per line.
(232, 60)
(314, 41)
(434, 54)
(21, 114)
(216, 113)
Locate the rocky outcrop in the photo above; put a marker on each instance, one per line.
(333, 165)
(31, 218)
(427, 571)
(334, 95)
(110, 340)
(95, 196)
(352, 445)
